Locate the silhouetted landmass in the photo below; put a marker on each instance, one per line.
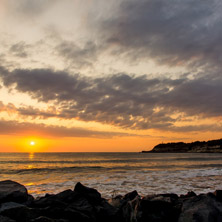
(86, 205)
(211, 146)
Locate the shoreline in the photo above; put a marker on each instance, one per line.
(87, 205)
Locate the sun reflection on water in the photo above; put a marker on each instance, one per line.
(31, 156)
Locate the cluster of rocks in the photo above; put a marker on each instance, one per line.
(86, 205)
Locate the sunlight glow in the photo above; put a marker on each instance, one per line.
(32, 143)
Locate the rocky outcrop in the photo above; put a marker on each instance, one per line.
(86, 204)
(201, 208)
(211, 146)
(12, 191)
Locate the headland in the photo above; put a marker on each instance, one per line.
(211, 146)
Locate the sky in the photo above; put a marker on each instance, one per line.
(109, 76)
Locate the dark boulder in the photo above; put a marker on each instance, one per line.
(157, 208)
(46, 219)
(75, 215)
(78, 210)
(218, 195)
(201, 208)
(130, 196)
(43, 219)
(6, 219)
(127, 212)
(82, 205)
(66, 196)
(170, 198)
(117, 201)
(89, 193)
(29, 200)
(18, 212)
(61, 199)
(106, 212)
(48, 200)
(12, 191)
(188, 195)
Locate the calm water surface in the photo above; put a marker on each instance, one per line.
(114, 173)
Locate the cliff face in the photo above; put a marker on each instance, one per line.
(211, 146)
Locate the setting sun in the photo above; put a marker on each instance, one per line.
(32, 143)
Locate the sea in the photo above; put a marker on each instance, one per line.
(114, 173)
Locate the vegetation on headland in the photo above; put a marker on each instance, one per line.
(211, 146)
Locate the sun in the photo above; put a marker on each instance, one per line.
(32, 143)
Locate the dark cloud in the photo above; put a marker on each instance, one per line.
(127, 101)
(19, 49)
(18, 128)
(32, 8)
(77, 56)
(196, 128)
(171, 32)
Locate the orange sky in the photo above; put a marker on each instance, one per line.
(114, 76)
(123, 144)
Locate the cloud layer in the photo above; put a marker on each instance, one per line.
(50, 65)
(127, 101)
(25, 128)
(171, 32)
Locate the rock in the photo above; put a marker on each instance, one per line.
(46, 219)
(117, 201)
(45, 202)
(53, 212)
(202, 208)
(89, 193)
(9, 205)
(12, 191)
(75, 215)
(67, 196)
(157, 209)
(218, 194)
(106, 212)
(18, 212)
(130, 196)
(188, 195)
(6, 219)
(128, 210)
(43, 219)
(59, 200)
(29, 200)
(170, 198)
(82, 205)
(80, 209)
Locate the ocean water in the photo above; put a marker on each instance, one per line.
(114, 173)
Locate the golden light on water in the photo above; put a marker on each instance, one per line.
(31, 156)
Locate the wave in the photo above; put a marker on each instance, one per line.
(136, 160)
(36, 170)
(122, 169)
(198, 159)
(119, 160)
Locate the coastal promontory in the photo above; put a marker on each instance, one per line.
(211, 146)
